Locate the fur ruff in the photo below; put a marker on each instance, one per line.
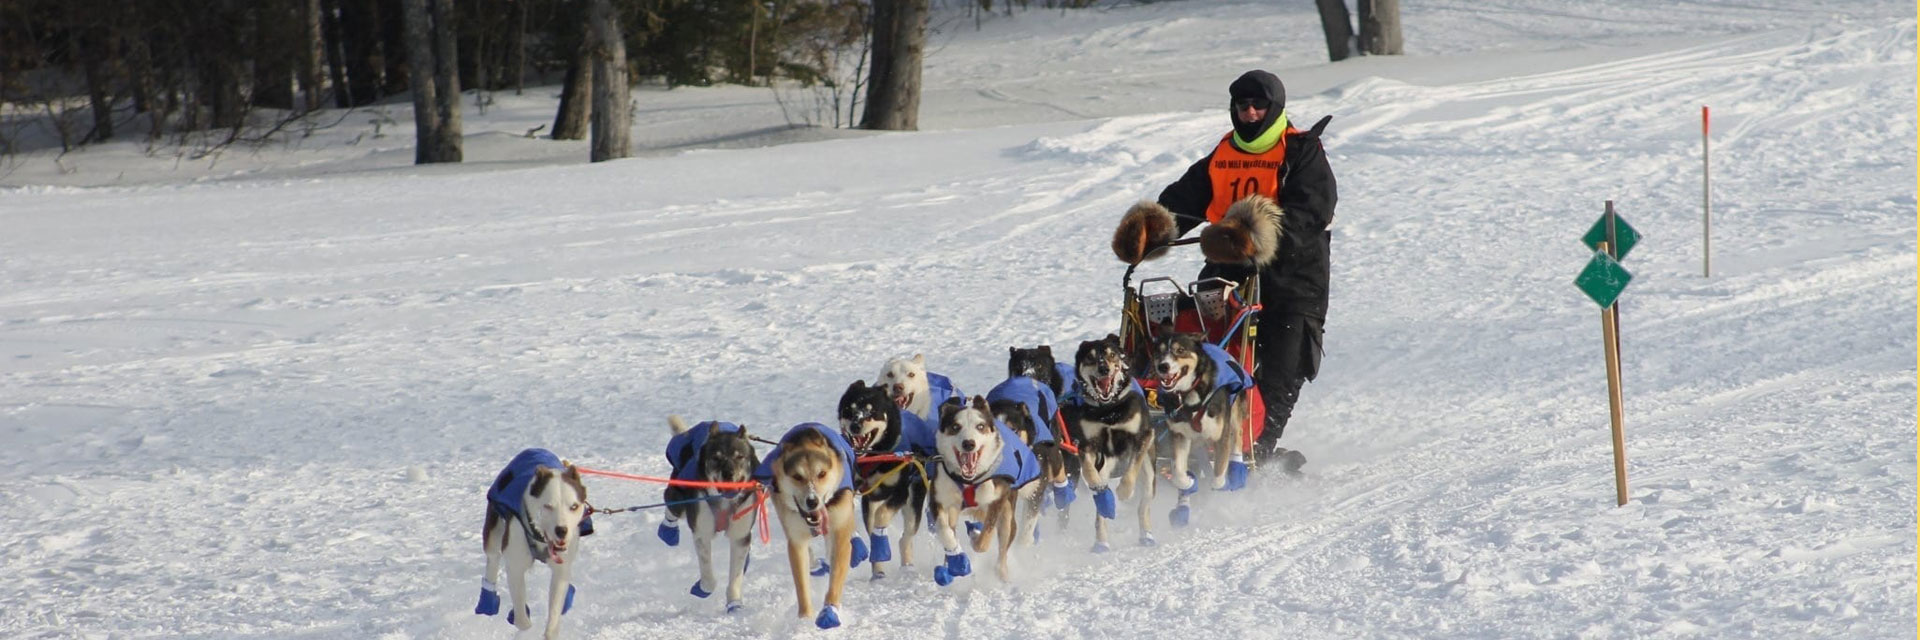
(1145, 226)
(1249, 233)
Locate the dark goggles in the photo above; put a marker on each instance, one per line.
(1262, 104)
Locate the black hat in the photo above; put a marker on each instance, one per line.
(1262, 85)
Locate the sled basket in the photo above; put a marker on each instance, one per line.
(1224, 311)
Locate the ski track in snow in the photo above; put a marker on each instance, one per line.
(269, 408)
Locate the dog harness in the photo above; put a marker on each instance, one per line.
(683, 450)
(764, 473)
(1017, 465)
(1036, 397)
(506, 496)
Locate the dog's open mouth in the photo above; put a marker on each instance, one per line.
(554, 551)
(861, 441)
(1109, 386)
(1167, 381)
(901, 400)
(968, 462)
(814, 518)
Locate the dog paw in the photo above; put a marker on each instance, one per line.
(1101, 547)
(735, 606)
(699, 592)
(829, 618)
(941, 576)
(569, 605)
(489, 602)
(1104, 503)
(1180, 515)
(882, 550)
(524, 621)
(859, 553)
(820, 567)
(878, 576)
(1193, 486)
(670, 534)
(1236, 478)
(1146, 540)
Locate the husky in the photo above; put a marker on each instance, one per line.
(870, 421)
(811, 472)
(1029, 408)
(1212, 403)
(985, 473)
(711, 452)
(915, 390)
(536, 510)
(1118, 437)
(1038, 363)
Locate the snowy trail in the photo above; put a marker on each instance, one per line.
(265, 409)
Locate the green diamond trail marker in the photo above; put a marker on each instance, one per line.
(1624, 233)
(1603, 279)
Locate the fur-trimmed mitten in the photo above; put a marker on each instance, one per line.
(1249, 233)
(1146, 226)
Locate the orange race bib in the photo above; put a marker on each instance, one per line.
(1237, 174)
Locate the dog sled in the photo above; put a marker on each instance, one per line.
(1225, 312)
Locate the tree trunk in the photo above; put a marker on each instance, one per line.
(93, 54)
(1337, 24)
(364, 59)
(446, 78)
(1380, 27)
(272, 52)
(575, 103)
(436, 138)
(420, 63)
(612, 125)
(896, 105)
(312, 54)
(337, 55)
(880, 56)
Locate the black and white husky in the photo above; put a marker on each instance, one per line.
(536, 510)
(987, 474)
(1210, 394)
(711, 452)
(871, 422)
(1118, 437)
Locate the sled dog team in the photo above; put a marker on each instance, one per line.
(982, 467)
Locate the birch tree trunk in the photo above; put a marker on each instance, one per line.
(1380, 27)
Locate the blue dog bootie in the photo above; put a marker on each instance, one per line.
(670, 533)
(828, 618)
(1103, 502)
(1236, 476)
(882, 549)
(820, 567)
(489, 599)
(699, 592)
(525, 610)
(957, 565)
(1193, 486)
(1063, 495)
(858, 554)
(1180, 516)
(569, 605)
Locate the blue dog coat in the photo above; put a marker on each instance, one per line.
(939, 391)
(1017, 465)
(683, 451)
(764, 472)
(1036, 397)
(505, 496)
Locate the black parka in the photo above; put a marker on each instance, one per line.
(1296, 280)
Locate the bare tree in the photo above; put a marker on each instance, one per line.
(1338, 26)
(899, 44)
(570, 123)
(612, 124)
(1380, 27)
(312, 54)
(437, 132)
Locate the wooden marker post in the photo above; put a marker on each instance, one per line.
(1602, 280)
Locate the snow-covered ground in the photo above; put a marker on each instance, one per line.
(259, 395)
